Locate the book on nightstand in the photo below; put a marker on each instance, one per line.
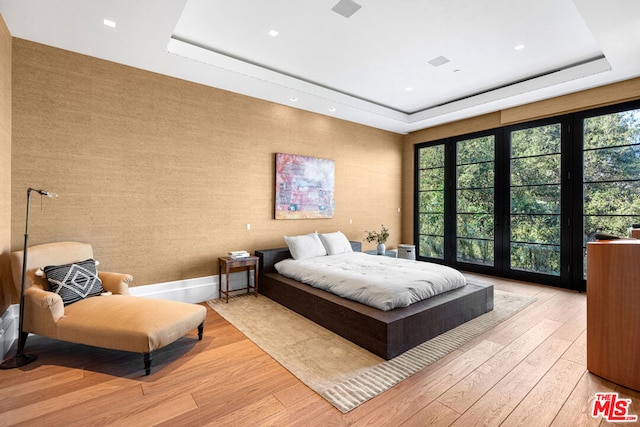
(239, 254)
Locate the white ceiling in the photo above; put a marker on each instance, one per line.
(371, 68)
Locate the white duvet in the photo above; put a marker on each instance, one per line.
(378, 281)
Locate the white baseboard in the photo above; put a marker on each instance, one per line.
(194, 290)
(190, 290)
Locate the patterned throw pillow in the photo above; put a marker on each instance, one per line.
(74, 282)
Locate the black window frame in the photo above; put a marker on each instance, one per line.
(571, 205)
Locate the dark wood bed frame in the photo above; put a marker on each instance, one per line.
(384, 333)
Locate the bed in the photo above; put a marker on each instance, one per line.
(384, 333)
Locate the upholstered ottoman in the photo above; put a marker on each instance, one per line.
(124, 322)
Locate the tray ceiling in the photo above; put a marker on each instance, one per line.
(399, 66)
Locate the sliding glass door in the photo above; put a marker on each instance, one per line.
(430, 212)
(611, 174)
(475, 194)
(534, 196)
(522, 201)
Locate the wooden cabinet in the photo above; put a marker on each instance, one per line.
(613, 311)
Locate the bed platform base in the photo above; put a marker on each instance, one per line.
(384, 333)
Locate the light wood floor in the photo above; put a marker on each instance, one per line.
(529, 370)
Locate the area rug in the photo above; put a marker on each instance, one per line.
(343, 373)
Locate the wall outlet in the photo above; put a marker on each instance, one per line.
(248, 226)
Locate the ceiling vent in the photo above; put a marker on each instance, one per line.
(346, 8)
(440, 60)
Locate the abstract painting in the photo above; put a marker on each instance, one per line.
(304, 187)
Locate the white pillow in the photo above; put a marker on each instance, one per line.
(305, 246)
(336, 243)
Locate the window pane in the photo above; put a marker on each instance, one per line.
(535, 229)
(534, 204)
(475, 201)
(432, 224)
(432, 179)
(432, 246)
(536, 258)
(475, 225)
(612, 130)
(475, 251)
(612, 198)
(536, 141)
(542, 199)
(478, 175)
(611, 164)
(475, 181)
(432, 201)
(617, 225)
(476, 150)
(432, 157)
(611, 173)
(536, 170)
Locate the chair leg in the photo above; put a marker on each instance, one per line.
(200, 330)
(147, 363)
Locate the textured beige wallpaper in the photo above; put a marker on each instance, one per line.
(162, 176)
(6, 290)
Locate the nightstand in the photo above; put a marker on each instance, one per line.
(390, 254)
(227, 264)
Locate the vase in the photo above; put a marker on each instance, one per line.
(381, 249)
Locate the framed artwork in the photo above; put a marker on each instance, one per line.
(304, 187)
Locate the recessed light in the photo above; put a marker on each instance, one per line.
(293, 99)
(408, 89)
(519, 47)
(109, 23)
(332, 109)
(457, 70)
(273, 33)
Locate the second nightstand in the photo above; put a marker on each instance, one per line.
(390, 254)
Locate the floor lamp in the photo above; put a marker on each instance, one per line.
(21, 359)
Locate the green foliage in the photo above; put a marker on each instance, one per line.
(612, 130)
(432, 179)
(377, 236)
(475, 182)
(611, 191)
(535, 199)
(536, 141)
(478, 226)
(432, 224)
(536, 170)
(476, 150)
(475, 251)
(611, 173)
(535, 258)
(431, 157)
(544, 199)
(432, 201)
(432, 246)
(477, 175)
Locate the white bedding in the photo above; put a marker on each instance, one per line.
(378, 281)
